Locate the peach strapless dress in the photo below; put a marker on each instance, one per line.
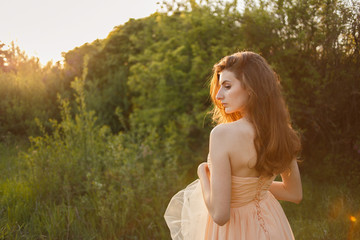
(255, 214)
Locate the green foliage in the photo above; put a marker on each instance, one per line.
(331, 218)
(133, 133)
(136, 212)
(154, 71)
(84, 183)
(28, 91)
(74, 59)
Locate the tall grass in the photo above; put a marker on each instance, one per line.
(84, 183)
(325, 211)
(136, 212)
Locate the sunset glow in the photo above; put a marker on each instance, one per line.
(44, 28)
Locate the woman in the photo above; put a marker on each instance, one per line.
(252, 143)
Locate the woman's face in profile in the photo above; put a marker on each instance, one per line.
(231, 94)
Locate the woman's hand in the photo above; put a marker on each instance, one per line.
(290, 188)
(203, 169)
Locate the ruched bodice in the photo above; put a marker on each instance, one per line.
(245, 190)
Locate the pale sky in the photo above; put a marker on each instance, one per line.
(45, 28)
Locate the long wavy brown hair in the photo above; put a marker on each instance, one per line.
(276, 142)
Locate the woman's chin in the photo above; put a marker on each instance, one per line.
(228, 111)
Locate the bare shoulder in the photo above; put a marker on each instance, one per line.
(240, 128)
(220, 130)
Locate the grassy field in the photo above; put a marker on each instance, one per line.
(325, 212)
(328, 211)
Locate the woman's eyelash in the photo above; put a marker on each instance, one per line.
(227, 86)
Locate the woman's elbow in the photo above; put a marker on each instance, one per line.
(298, 199)
(221, 219)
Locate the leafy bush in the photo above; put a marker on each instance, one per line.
(84, 183)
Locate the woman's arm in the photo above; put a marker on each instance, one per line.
(216, 187)
(290, 188)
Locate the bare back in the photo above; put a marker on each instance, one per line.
(242, 152)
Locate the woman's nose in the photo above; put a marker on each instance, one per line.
(219, 96)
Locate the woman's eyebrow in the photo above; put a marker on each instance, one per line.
(222, 82)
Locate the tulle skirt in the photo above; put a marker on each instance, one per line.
(186, 214)
(188, 219)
